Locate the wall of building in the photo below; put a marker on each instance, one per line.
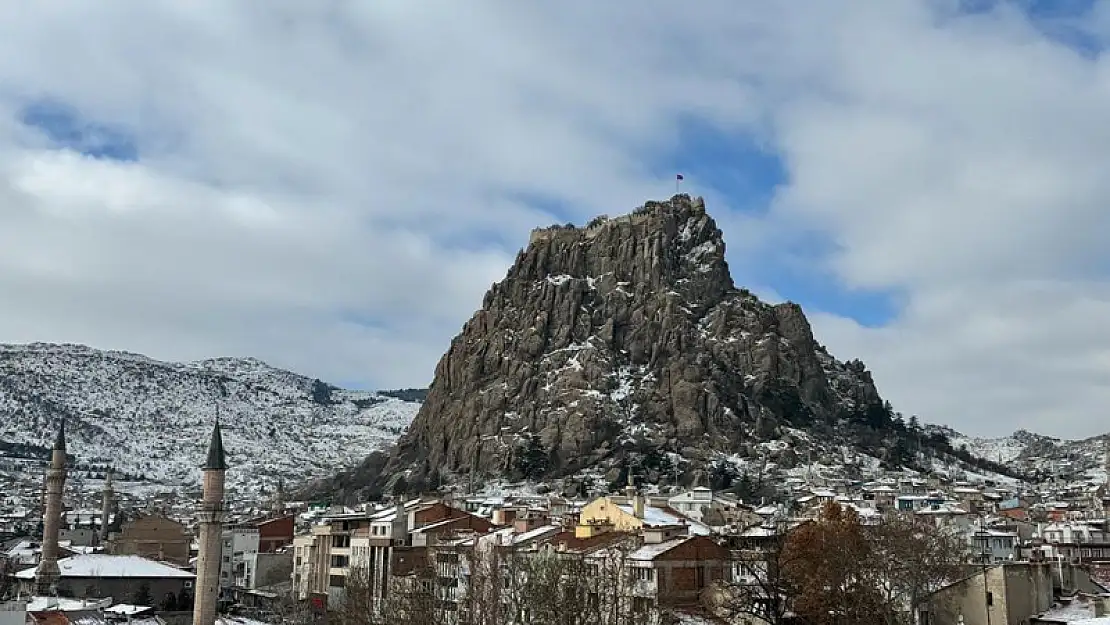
(122, 589)
(603, 510)
(268, 569)
(155, 537)
(275, 534)
(1017, 591)
(79, 537)
(13, 613)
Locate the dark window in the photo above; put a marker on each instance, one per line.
(337, 581)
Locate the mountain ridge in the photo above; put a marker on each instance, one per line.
(150, 418)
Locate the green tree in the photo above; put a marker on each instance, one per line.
(532, 462)
(321, 392)
(142, 596)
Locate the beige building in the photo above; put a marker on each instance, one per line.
(322, 559)
(1005, 594)
(630, 514)
(152, 536)
(367, 541)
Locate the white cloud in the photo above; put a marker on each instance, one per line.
(332, 186)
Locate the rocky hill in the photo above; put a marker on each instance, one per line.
(1043, 458)
(625, 344)
(150, 418)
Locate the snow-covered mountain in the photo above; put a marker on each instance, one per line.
(151, 418)
(1037, 455)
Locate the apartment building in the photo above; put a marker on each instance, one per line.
(365, 541)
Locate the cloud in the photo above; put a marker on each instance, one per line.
(332, 186)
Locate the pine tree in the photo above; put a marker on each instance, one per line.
(142, 596)
(321, 392)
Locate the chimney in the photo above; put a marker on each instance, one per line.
(638, 505)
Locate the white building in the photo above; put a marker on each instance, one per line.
(240, 550)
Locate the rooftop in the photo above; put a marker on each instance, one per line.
(107, 566)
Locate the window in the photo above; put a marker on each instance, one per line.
(339, 562)
(337, 581)
(641, 604)
(644, 574)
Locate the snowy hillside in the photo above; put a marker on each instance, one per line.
(151, 418)
(1043, 456)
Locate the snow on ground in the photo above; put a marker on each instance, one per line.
(1001, 450)
(153, 419)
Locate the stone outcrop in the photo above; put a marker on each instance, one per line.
(627, 332)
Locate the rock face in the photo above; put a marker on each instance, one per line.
(626, 333)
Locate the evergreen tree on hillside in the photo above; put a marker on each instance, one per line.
(321, 392)
(532, 462)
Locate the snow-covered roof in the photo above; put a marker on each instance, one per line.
(539, 532)
(759, 531)
(127, 609)
(59, 604)
(654, 515)
(652, 551)
(103, 565)
(944, 507)
(238, 620)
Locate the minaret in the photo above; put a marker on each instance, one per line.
(279, 499)
(46, 578)
(211, 518)
(1106, 486)
(106, 497)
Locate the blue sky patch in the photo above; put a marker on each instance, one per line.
(66, 128)
(747, 172)
(735, 164)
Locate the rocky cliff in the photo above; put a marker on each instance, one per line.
(625, 335)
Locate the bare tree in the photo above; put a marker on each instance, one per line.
(290, 611)
(759, 588)
(357, 607)
(838, 571)
(910, 561)
(411, 600)
(826, 570)
(7, 586)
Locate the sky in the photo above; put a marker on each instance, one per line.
(332, 186)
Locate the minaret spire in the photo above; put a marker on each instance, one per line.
(217, 459)
(211, 518)
(106, 499)
(46, 577)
